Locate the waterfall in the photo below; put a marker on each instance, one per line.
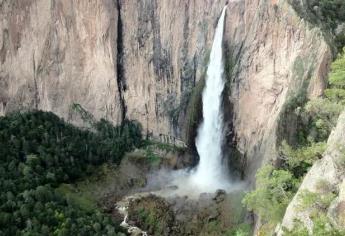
(211, 174)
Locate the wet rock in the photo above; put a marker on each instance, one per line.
(220, 196)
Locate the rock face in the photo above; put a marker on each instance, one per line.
(57, 53)
(330, 169)
(141, 60)
(133, 59)
(274, 55)
(165, 48)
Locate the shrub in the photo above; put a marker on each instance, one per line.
(321, 227)
(240, 230)
(325, 13)
(337, 75)
(275, 189)
(299, 160)
(317, 203)
(298, 230)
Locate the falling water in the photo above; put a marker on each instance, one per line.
(211, 174)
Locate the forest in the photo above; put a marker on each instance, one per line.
(38, 152)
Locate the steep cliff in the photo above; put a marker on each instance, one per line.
(116, 59)
(274, 56)
(57, 53)
(141, 60)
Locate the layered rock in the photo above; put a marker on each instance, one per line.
(330, 169)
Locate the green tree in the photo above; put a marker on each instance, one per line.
(274, 190)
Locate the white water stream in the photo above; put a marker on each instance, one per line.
(211, 173)
(122, 207)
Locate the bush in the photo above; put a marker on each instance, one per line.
(274, 190)
(299, 160)
(318, 202)
(240, 230)
(321, 227)
(327, 13)
(337, 75)
(298, 230)
(323, 116)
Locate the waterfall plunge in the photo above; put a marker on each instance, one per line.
(211, 174)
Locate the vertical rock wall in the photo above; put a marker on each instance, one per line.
(115, 58)
(57, 53)
(141, 59)
(274, 55)
(166, 44)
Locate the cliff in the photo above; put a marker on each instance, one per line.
(116, 59)
(275, 56)
(57, 53)
(142, 60)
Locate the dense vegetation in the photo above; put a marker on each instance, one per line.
(38, 152)
(277, 184)
(327, 14)
(330, 12)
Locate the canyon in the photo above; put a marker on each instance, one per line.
(141, 60)
(147, 60)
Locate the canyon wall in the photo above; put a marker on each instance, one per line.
(112, 58)
(58, 53)
(140, 60)
(275, 56)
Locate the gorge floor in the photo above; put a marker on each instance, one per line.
(126, 190)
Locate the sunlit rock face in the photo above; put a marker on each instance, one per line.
(56, 53)
(141, 59)
(136, 59)
(275, 54)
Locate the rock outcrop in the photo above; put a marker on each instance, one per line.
(329, 171)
